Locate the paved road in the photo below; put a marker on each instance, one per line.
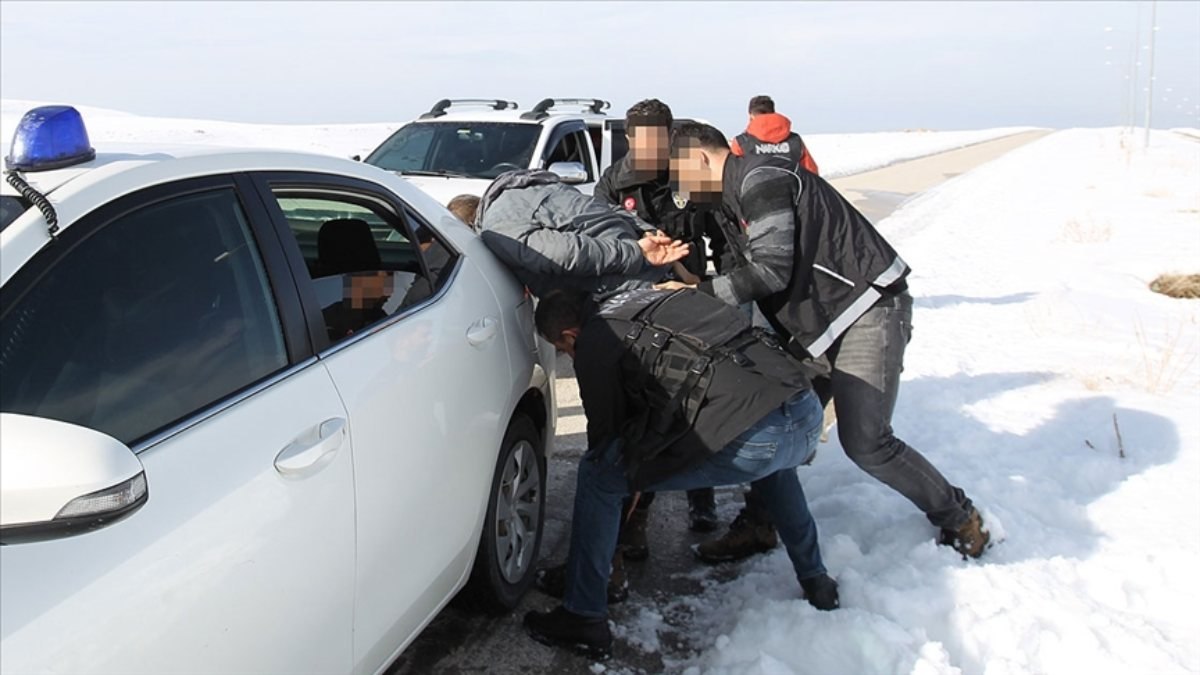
(460, 641)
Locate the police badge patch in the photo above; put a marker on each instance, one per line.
(680, 200)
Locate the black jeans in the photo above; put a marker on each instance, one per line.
(861, 373)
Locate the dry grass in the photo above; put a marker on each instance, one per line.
(1177, 285)
(1162, 367)
(1087, 231)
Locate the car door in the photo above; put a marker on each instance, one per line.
(167, 320)
(411, 333)
(568, 141)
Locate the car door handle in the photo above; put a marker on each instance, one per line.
(482, 331)
(312, 450)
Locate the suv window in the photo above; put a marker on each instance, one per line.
(572, 148)
(156, 315)
(365, 262)
(475, 150)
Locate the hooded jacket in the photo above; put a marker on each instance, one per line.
(552, 236)
(771, 134)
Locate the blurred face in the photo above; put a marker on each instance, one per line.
(698, 175)
(649, 147)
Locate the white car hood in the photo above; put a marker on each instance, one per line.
(445, 189)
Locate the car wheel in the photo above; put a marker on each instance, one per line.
(512, 527)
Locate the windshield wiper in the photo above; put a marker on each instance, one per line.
(443, 174)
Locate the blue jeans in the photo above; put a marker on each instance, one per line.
(765, 455)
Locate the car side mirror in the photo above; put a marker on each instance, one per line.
(357, 158)
(571, 173)
(59, 479)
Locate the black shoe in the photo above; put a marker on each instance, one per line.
(702, 510)
(560, 628)
(553, 581)
(821, 592)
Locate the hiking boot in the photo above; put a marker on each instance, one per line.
(553, 581)
(821, 592)
(970, 539)
(702, 510)
(747, 535)
(561, 628)
(633, 536)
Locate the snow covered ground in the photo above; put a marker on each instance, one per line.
(837, 154)
(1035, 338)
(845, 154)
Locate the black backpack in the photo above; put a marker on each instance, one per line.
(677, 340)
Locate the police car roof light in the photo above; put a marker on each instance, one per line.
(49, 137)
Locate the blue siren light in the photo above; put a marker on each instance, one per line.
(49, 137)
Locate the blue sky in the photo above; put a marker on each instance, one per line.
(832, 67)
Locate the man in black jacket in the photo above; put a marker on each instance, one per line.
(679, 392)
(835, 290)
(640, 183)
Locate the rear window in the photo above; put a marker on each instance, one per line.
(10, 208)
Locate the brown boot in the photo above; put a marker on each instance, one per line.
(970, 539)
(747, 535)
(553, 581)
(633, 536)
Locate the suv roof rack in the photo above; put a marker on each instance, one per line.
(441, 106)
(542, 109)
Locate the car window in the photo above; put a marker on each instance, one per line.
(10, 208)
(363, 263)
(571, 148)
(156, 315)
(475, 150)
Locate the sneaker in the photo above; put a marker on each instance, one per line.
(633, 542)
(553, 581)
(970, 539)
(821, 592)
(702, 510)
(746, 536)
(561, 628)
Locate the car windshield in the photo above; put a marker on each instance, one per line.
(10, 208)
(459, 149)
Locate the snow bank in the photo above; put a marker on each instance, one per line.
(113, 127)
(845, 154)
(837, 154)
(1034, 330)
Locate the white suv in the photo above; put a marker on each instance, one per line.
(460, 146)
(259, 411)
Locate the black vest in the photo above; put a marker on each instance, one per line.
(791, 147)
(842, 264)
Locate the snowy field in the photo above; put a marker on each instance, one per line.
(837, 154)
(1035, 339)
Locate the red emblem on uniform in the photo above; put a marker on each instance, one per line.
(630, 204)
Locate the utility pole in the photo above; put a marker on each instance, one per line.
(1150, 82)
(1133, 70)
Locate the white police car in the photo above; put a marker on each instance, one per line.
(259, 412)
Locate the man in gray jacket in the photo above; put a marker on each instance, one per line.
(553, 237)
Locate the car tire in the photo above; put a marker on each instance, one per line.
(512, 526)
